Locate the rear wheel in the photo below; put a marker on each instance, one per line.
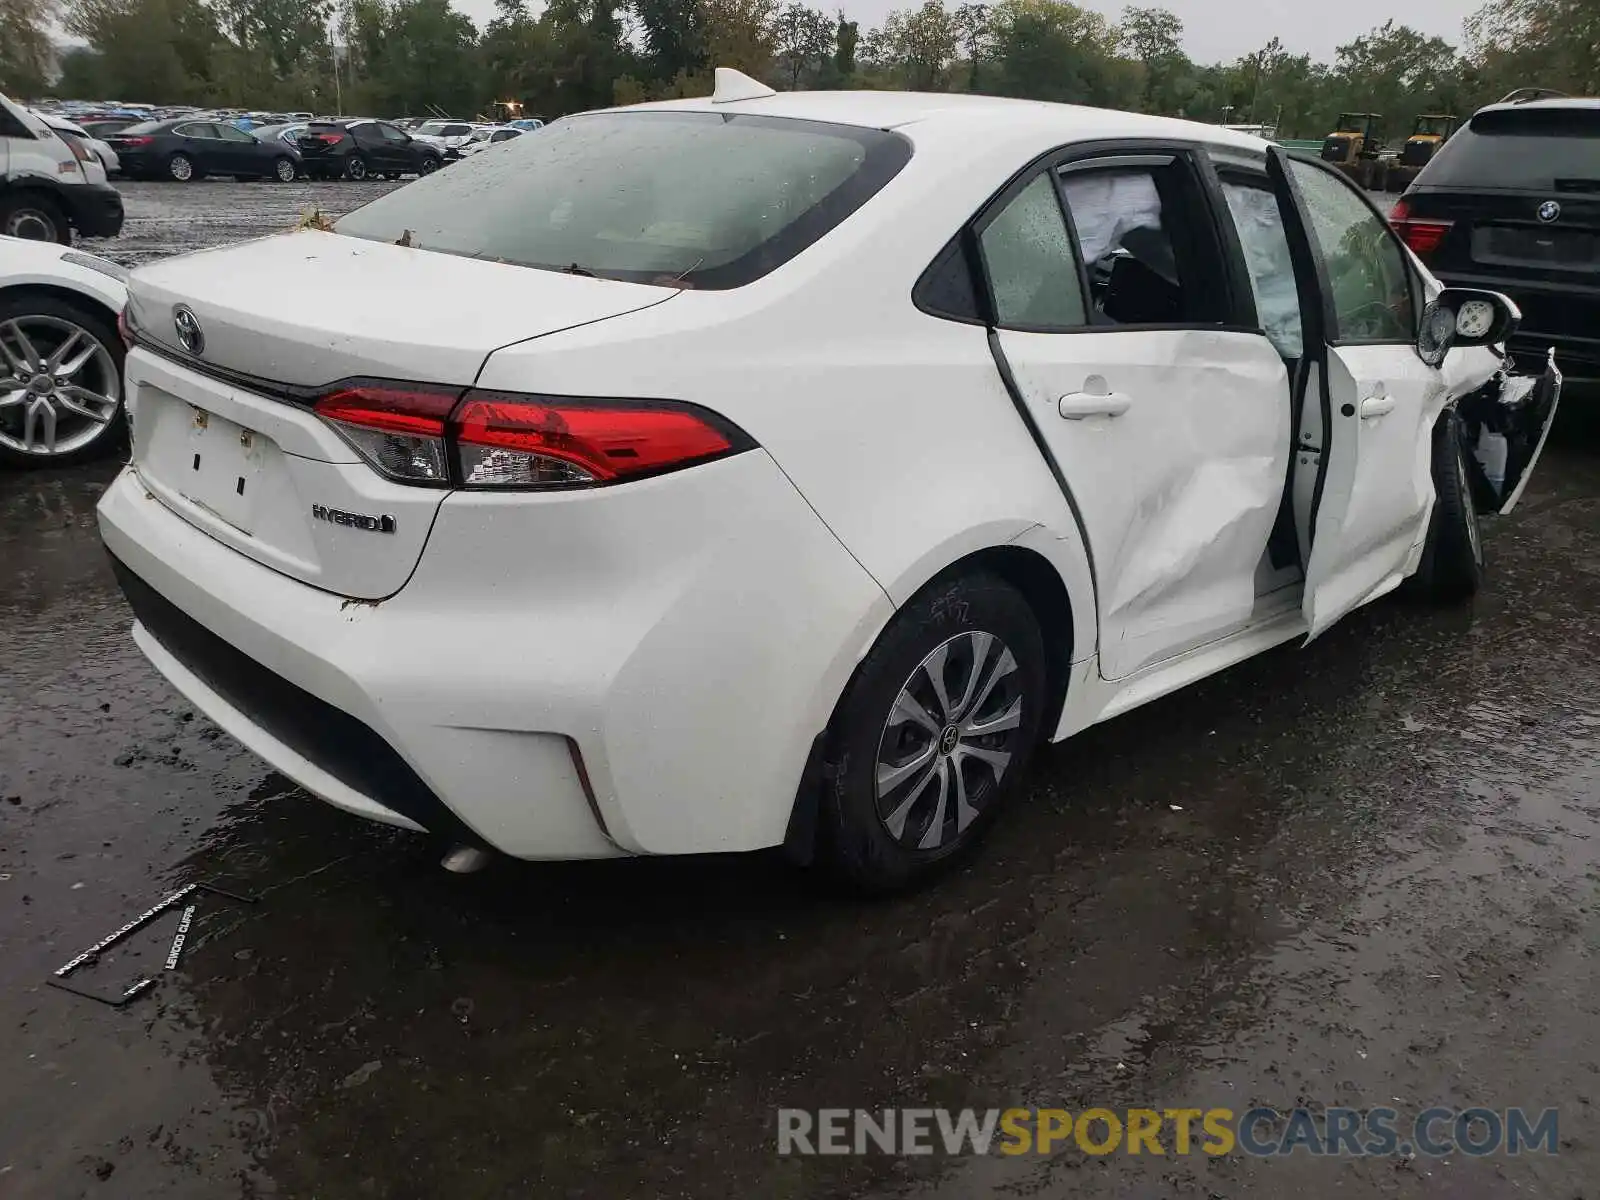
(34, 217)
(181, 168)
(931, 735)
(1452, 558)
(355, 167)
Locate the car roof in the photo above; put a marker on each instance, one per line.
(1579, 103)
(1016, 120)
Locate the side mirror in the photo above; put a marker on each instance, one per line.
(1465, 317)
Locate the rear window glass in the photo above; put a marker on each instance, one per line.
(693, 199)
(146, 127)
(1521, 149)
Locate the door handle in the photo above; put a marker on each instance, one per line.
(1376, 406)
(1096, 400)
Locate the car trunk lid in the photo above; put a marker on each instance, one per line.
(224, 432)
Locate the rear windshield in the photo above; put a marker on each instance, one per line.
(693, 199)
(1521, 149)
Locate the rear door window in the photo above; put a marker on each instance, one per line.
(1139, 234)
(1027, 254)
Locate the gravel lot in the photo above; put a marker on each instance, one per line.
(1359, 873)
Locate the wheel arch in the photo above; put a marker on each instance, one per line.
(99, 303)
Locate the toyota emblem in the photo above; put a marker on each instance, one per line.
(1549, 211)
(190, 335)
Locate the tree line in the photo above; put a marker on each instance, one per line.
(408, 57)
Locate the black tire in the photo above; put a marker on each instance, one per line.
(429, 164)
(34, 216)
(1452, 557)
(355, 168)
(853, 840)
(284, 170)
(182, 169)
(100, 325)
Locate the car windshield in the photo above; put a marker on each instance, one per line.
(694, 199)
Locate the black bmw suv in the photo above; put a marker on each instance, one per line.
(1512, 203)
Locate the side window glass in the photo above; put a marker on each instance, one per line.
(1372, 297)
(1266, 254)
(1027, 253)
(391, 134)
(1127, 246)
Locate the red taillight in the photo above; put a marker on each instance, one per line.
(532, 441)
(495, 440)
(329, 139)
(131, 143)
(1422, 236)
(398, 430)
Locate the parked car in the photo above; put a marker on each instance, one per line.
(185, 149)
(482, 139)
(361, 149)
(526, 124)
(50, 185)
(104, 127)
(65, 129)
(778, 469)
(1511, 202)
(60, 356)
(445, 136)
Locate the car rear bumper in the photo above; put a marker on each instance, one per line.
(95, 209)
(639, 669)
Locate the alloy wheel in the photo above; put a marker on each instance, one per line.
(356, 168)
(181, 168)
(59, 387)
(285, 171)
(949, 739)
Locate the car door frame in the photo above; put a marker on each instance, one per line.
(1238, 307)
(1319, 320)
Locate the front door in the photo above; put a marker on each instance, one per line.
(1363, 467)
(1169, 429)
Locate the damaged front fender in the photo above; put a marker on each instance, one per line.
(1506, 423)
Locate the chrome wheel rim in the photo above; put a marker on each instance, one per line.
(182, 169)
(59, 387)
(949, 739)
(358, 169)
(285, 170)
(31, 224)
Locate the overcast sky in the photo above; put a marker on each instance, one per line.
(1220, 30)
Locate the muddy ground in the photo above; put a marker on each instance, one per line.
(1361, 873)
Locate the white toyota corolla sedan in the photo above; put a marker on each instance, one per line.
(779, 469)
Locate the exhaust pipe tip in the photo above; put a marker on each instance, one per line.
(464, 860)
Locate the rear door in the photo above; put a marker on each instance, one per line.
(1167, 420)
(1363, 483)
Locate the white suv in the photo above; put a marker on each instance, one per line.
(49, 185)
